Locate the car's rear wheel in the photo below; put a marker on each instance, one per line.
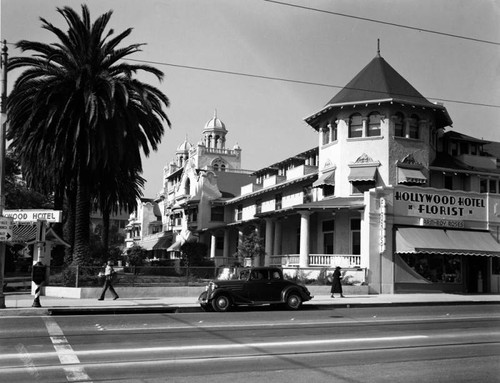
(293, 301)
(221, 303)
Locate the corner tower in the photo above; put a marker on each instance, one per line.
(377, 126)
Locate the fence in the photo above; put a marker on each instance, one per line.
(144, 276)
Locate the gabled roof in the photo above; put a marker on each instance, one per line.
(379, 81)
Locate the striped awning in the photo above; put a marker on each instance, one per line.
(362, 174)
(414, 240)
(413, 176)
(325, 179)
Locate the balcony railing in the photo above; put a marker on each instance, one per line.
(318, 260)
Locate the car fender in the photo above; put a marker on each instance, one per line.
(290, 289)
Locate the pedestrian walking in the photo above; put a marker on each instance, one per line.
(109, 273)
(336, 285)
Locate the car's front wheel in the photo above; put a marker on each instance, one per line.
(221, 303)
(293, 301)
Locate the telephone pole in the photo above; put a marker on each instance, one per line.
(3, 109)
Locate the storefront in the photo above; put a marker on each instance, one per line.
(435, 240)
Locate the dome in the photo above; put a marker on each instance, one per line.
(215, 124)
(184, 147)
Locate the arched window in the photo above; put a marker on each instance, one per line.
(414, 133)
(374, 124)
(355, 126)
(216, 167)
(223, 168)
(399, 129)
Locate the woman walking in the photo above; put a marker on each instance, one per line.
(336, 285)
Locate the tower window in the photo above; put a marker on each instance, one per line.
(355, 126)
(414, 133)
(398, 125)
(374, 124)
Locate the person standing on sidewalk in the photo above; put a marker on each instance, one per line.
(109, 274)
(336, 285)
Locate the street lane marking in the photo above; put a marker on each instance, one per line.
(67, 356)
(200, 325)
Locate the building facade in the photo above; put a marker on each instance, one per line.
(389, 189)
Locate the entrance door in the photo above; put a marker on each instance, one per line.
(476, 274)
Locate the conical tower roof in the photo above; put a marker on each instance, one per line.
(378, 81)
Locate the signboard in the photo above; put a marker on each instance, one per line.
(34, 215)
(5, 229)
(441, 206)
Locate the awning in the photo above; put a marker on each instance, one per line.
(414, 176)
(176, 246)
(441, 241)
(364, 173)
(163, 243)
(327, 178)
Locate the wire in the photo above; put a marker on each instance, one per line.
(298, 81)
(384, 22)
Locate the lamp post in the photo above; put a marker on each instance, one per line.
(3, 109)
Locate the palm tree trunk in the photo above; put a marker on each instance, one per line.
(69, 224)
(81, 251)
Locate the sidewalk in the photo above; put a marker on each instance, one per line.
(21, 304)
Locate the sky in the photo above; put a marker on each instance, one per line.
(193, 41)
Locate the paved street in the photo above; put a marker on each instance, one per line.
(459, 343)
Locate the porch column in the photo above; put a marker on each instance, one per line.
(304, 238)
(277, 238)
(212, 245)
(225, 252)
(269, 241)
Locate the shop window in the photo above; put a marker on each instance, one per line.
(374, 124)
(436, 268)
(328, 228)
(355, 236)
(355, 126)
(217, 213)
(399, 130)
(495, 265)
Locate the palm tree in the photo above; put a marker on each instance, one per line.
(77, 112)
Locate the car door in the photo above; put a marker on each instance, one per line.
(257, 285)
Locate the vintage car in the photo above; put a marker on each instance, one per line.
(252, 286)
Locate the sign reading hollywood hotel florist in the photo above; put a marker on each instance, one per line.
(439, 205)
